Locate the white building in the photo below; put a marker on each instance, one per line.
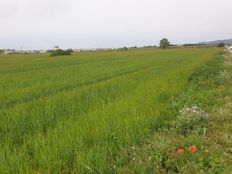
(9, 51)
(42, 51)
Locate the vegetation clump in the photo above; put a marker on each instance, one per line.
(222, 44)
(189, 120)
(164, 43)
(61, 52)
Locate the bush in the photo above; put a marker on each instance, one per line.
(125, 49)
(70, 50)
(221, 44)
(61, 53)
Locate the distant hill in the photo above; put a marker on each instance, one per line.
(215, 42)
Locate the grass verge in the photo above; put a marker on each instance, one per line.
(198, 139)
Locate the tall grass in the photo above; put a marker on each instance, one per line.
(75, 114)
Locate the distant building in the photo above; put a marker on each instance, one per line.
(42, 51)
(92, 49)
(77, 50)
(9, 51)
(14, 51)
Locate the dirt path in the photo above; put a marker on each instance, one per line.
(229, 49)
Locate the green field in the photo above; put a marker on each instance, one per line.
(77, 114)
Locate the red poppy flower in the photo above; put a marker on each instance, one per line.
(193, 148)
(180, 151)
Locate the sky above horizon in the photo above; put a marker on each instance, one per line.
(42, 24)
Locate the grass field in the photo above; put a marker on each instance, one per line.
(77, 114)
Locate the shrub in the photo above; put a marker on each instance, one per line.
(70, 50)
(221, 44)
(61, 53)
(125, 49)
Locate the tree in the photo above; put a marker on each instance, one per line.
(125, 49)
(164, 43)
(222, 44)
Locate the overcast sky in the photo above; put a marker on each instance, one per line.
(37, 24)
